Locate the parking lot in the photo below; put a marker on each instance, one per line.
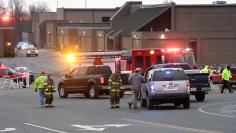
(20, 110)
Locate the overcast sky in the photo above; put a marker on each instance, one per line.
(112, 3)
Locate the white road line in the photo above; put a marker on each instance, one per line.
(205, 112)
(170, 126)
(7, 130)
(49, 129)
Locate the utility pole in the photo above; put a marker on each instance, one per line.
(85, 3)
(57, 3)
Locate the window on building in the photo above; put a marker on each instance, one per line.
(105, 19)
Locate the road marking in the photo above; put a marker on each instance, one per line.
(49, 129)
(170, 126)
(8, 130)
(98, 127)
(205, 112)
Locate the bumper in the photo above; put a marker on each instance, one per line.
(169, 97)
(123, 88)
(193, 90)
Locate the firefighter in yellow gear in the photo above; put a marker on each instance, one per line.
(115, 83)
(49, 90)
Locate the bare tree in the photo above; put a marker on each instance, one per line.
(2, 7)
(37, 7)
(17, 10)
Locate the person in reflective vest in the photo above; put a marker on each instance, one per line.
(205, 69)
(49, 90)
(226, 76)
(115, 85)
(39, 87)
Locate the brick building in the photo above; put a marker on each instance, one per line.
(208, 29)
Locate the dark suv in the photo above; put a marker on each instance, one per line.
(91, 81)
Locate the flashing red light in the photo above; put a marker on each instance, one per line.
(173, 49)
(5, 18)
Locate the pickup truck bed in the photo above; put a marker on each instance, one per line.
(199, 82)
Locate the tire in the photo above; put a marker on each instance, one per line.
(86, 94)
(93, 92)
(186, 103)
(143, 102)
(200, 96)
(177, 104)
(62, 92)
(149, 103)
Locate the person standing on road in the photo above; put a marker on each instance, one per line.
(136, 80)
(39, 87)
(211, 74)
(115, 83)
(205, 69)
(226, 76)
(49, 90)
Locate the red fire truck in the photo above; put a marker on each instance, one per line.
(144, 58)
(136, 58)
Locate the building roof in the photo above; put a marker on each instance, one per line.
(137, 20)
(53, 21)
(206, 5)
(86, 25)
(91, 9)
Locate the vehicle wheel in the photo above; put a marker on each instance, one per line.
(93, 92)
(177, 104)
(143, 102)
(62, 92)
(149, 103)
(86, 94)
(200, 96)
(186, 103)
(122, 93)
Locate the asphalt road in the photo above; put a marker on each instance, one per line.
(20, 111)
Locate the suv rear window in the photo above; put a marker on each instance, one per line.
(93, 70)
(169, 75)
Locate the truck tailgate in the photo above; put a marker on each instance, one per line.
(198, 80)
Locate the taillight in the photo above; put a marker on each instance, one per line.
(188, 86)
(152, 87)
(102, 80)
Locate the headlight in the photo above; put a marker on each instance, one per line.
(28, 51)
(36, 51)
